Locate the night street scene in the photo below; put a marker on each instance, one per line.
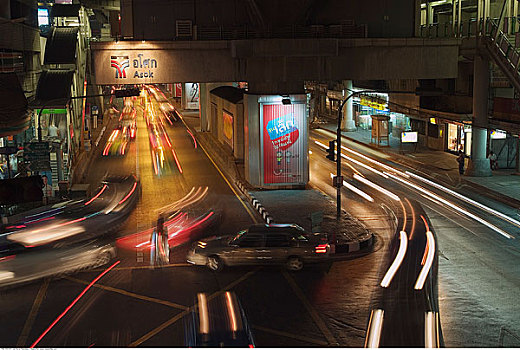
(259, 173)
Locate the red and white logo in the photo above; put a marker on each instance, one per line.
(120, 63)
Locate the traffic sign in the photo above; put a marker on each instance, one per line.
(36, 151)
(38, 165)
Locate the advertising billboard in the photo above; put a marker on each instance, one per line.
(227, 129)
(192, 95)
(284, 145)
(409, 136)
(178, 90)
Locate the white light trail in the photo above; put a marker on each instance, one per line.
(466, 199)
(434, 197)
(375, 326)
(377, 187)
(392, 270)
(355, 190)
(354, 160)
(430, 330)
(430, 254)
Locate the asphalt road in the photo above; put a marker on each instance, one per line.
(133, 305)
(478, 256)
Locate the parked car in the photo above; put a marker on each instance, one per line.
(217, 322)
(282, 244)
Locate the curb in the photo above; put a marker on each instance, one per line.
(351, 247)
(255, 203)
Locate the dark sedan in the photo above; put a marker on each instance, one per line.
(280, 244)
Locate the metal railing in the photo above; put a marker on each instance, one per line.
(282, 32)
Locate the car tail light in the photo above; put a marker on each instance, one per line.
(322, 248)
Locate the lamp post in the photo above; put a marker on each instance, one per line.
(338, 181)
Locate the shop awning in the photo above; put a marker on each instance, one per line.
(54, 89)
(61, 46)
(13, 106)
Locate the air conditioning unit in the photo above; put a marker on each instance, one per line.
(183, 29)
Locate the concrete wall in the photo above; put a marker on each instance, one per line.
(283, 61)
(237, 111)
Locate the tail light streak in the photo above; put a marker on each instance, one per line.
(231, 312)
(203, 313)
(97, 195)
(129, 194)
(73, 303)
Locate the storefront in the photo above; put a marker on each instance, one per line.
(458, 138)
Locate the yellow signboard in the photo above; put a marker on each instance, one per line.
(370, 102)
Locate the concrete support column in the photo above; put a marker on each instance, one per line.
(479, 164)
(204, 111)
(348, 123)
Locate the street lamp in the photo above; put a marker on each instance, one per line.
(338, 179)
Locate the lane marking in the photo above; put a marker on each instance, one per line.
(130, 294)
(314, 314)
(73, 303)
(293, 336)
(177, 317)
(253, 217)
(22, 340)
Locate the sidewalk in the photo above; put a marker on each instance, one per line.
(503, 186)
(286, 206)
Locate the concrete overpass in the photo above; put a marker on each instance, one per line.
(276, 65)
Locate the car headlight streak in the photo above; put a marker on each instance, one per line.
(434, 197)
(392, 270)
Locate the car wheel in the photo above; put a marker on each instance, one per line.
(294, 263)
(214, 263)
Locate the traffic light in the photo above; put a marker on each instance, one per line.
(127, 92)
(330, 150)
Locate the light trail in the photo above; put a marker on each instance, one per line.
(97, 195)
(353, 160)
(231, 312)
(73, 303)
(377, 187)
(356, 190)
(467, 200)
(392, 270)
(203, 313)
(375, 326)
(129, 193)
(430, 254)
(434, 197)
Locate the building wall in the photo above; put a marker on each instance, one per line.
(237, 111)
(156, 19)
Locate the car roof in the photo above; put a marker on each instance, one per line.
(273, 227)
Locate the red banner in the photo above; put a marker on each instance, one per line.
(178, 89)
(283, 142)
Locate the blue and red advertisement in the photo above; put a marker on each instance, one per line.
(284, 151)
